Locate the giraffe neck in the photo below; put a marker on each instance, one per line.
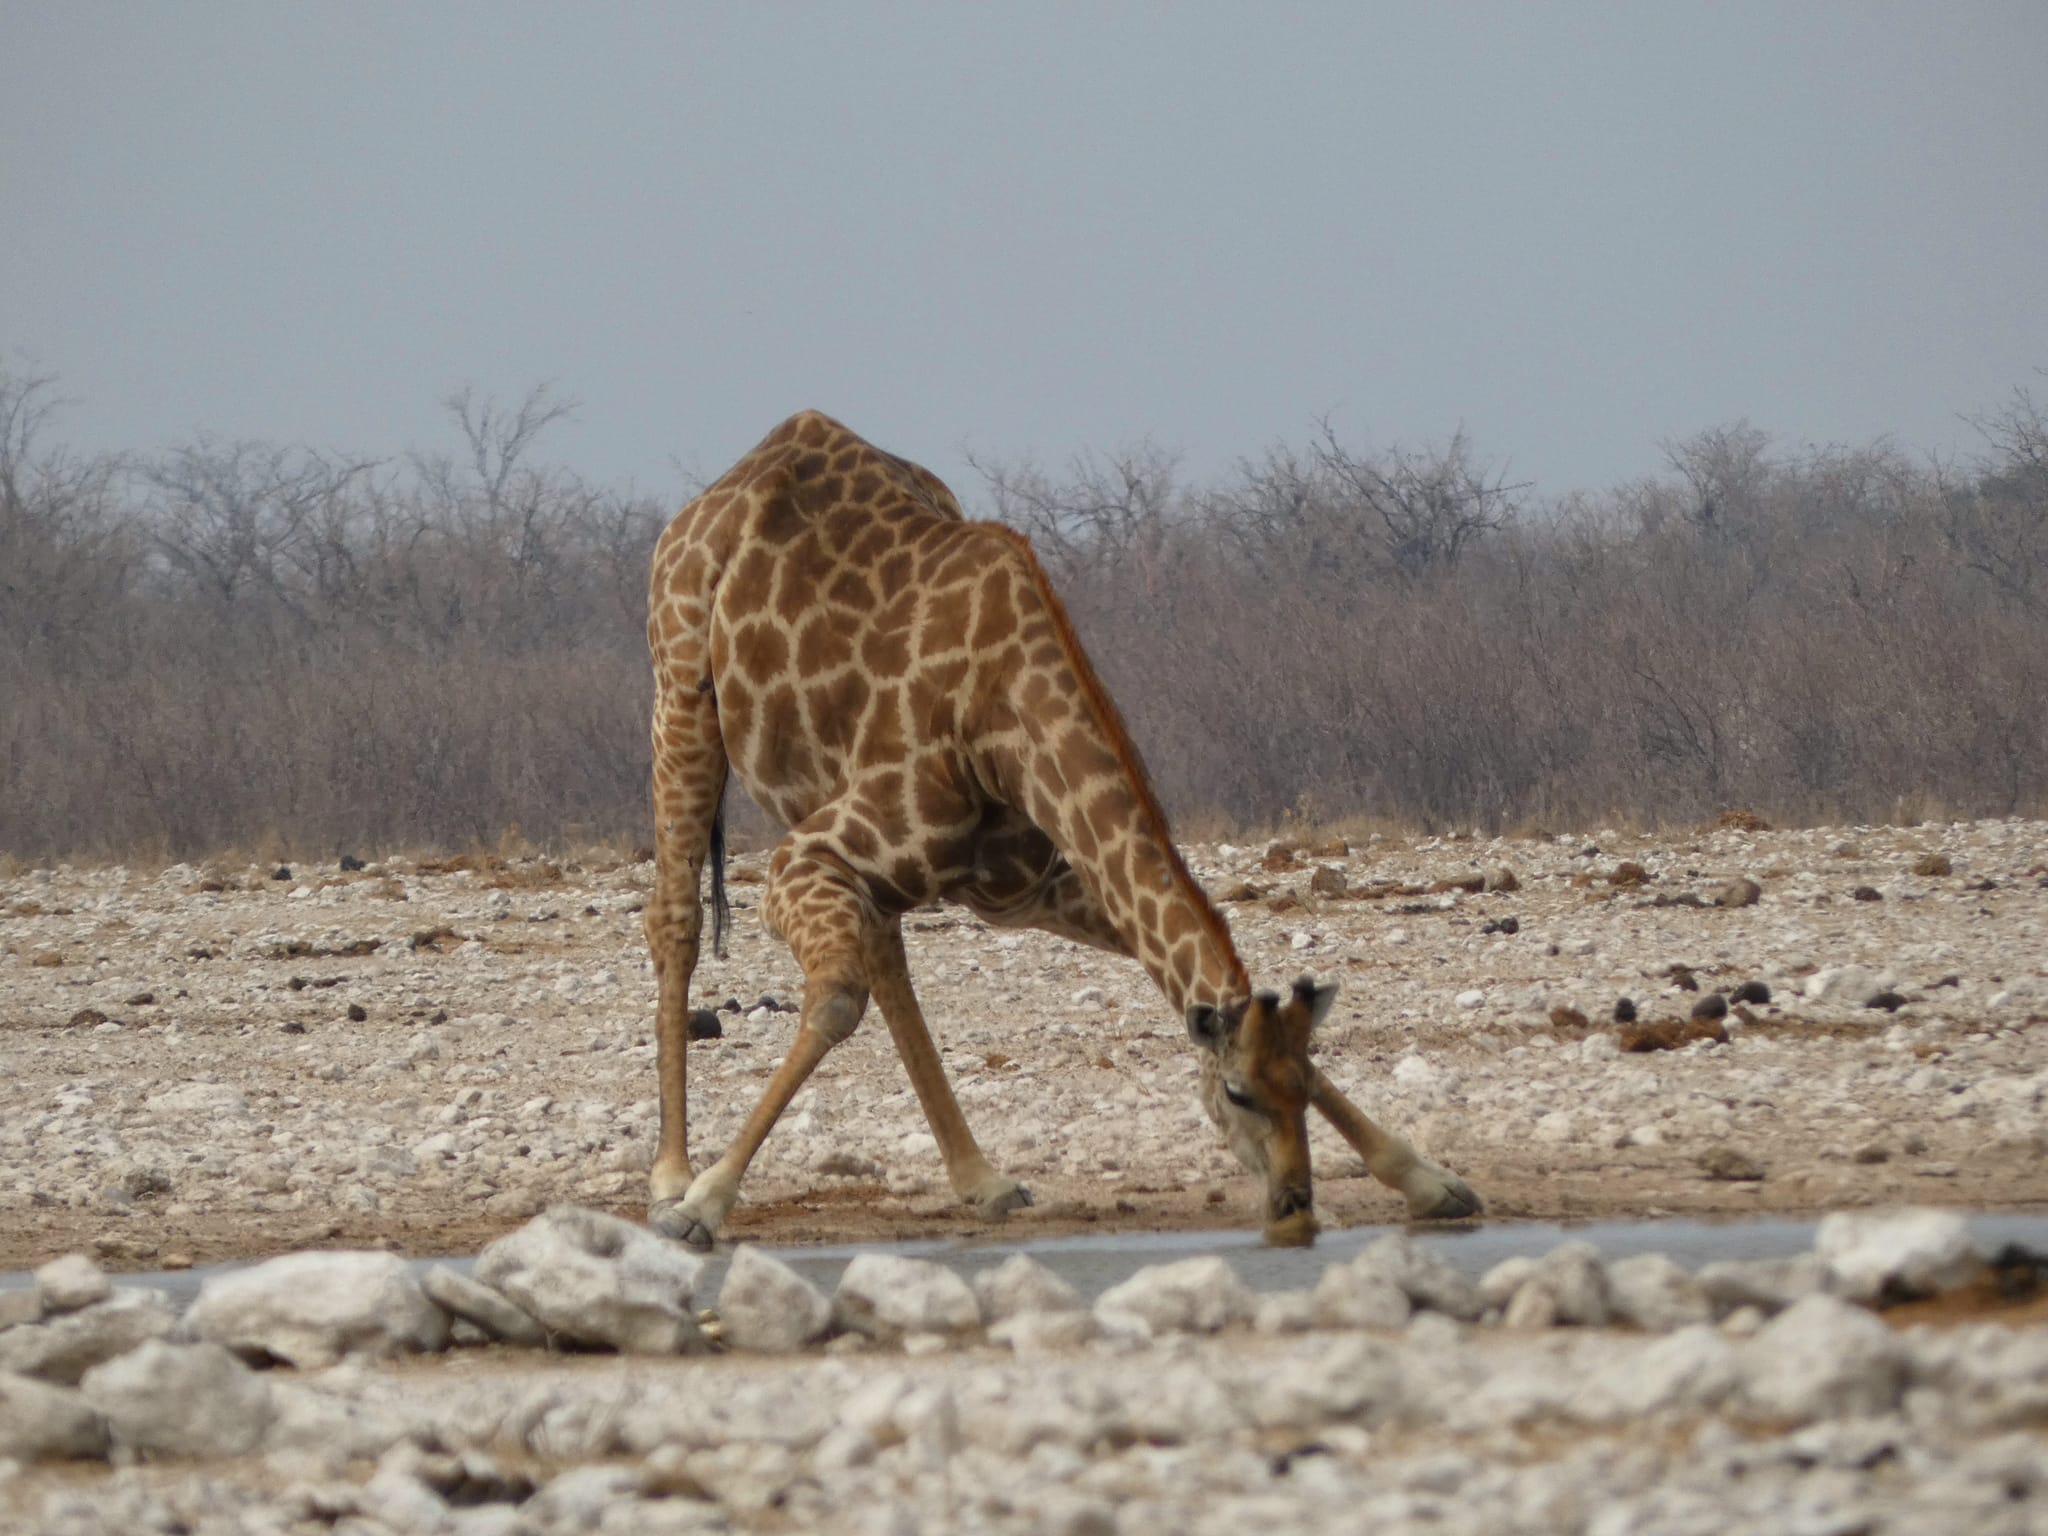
(1074, 771)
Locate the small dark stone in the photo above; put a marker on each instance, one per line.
(282, 872)
(357, 1013)
(297, 984)
(1890, 1002)
(1948, 981)
(731, 1005)
(1873, 1153)
(1503, 925)
(292, 1027)
(86, 1018)
(1712, 1006)
(1750, 992)
(350, 863)
(1624, 1010)
(705, 1025)
(141, 1000)
(1867, 893)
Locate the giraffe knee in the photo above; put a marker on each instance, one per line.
(837, 1014)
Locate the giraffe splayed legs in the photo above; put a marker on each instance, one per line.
(902, 690)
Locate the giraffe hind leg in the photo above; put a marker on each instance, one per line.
(817, 905)
(689, 783)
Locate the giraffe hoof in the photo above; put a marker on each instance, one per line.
(674, 1219)
(999, 1198)
(1437, 1194)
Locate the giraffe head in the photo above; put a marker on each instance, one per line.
(1256, 1077)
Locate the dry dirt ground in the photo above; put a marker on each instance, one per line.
(214, 1062)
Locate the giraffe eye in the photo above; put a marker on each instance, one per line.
(1238, 1096)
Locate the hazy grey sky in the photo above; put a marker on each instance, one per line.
(1576, 229)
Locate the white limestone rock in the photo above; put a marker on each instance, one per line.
(1843, 986)
(1189, 1296)
(1821, 1358)
(1429, 1280)
(39, 1421)
(18, 1305)
(1032, 1334)
(1689, 1371)
(1769, 1285)
(1654, 1292)
(476, 1303)
(765, 1305)
(1358, 1295)
(1286, 1312)
(167, 1399)
(312, 1309)
(1577, 1281)
(71, 1283)
(885, 1296)
(1499, 1284)
(63, 1348)
(1534, 1305)
(1895, 1255)
(1021, 1284)
(594, 1278)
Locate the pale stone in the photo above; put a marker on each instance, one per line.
(1358, 1295)
(72, 1282)
(1821, 1358)
(765, 1305)
(1022, 1284)
(1652, 1291)
(65, 1347)
(311, 1309)
(181, 1400)
(1428, 1279)
(1768, 1284)
(39, 1421)
(596, 1279)
(1189, 1296)
(885, 1296)
(1042, 1333)
(1895, 1255)
(481, 1306)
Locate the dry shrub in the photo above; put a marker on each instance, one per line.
(237, 646)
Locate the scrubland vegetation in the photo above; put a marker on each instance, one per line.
(235, 643)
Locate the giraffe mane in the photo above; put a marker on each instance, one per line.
(1111, 722)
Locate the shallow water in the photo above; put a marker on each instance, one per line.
(1098, 1260)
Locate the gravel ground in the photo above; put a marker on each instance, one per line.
(501, 1062)
(206, 1063)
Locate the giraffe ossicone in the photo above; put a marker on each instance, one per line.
(901, 689)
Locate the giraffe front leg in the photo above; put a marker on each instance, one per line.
(974, 1179)
(1433, 1192)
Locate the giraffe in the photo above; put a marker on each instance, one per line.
(901, 689)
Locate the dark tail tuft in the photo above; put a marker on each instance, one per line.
(721, 909)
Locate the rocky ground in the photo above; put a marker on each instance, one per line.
(212, 1062)
(218, 1062)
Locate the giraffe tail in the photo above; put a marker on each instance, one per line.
(721, 908)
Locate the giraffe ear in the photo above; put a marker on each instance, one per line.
(1211, 1027)
(1317, 1000)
